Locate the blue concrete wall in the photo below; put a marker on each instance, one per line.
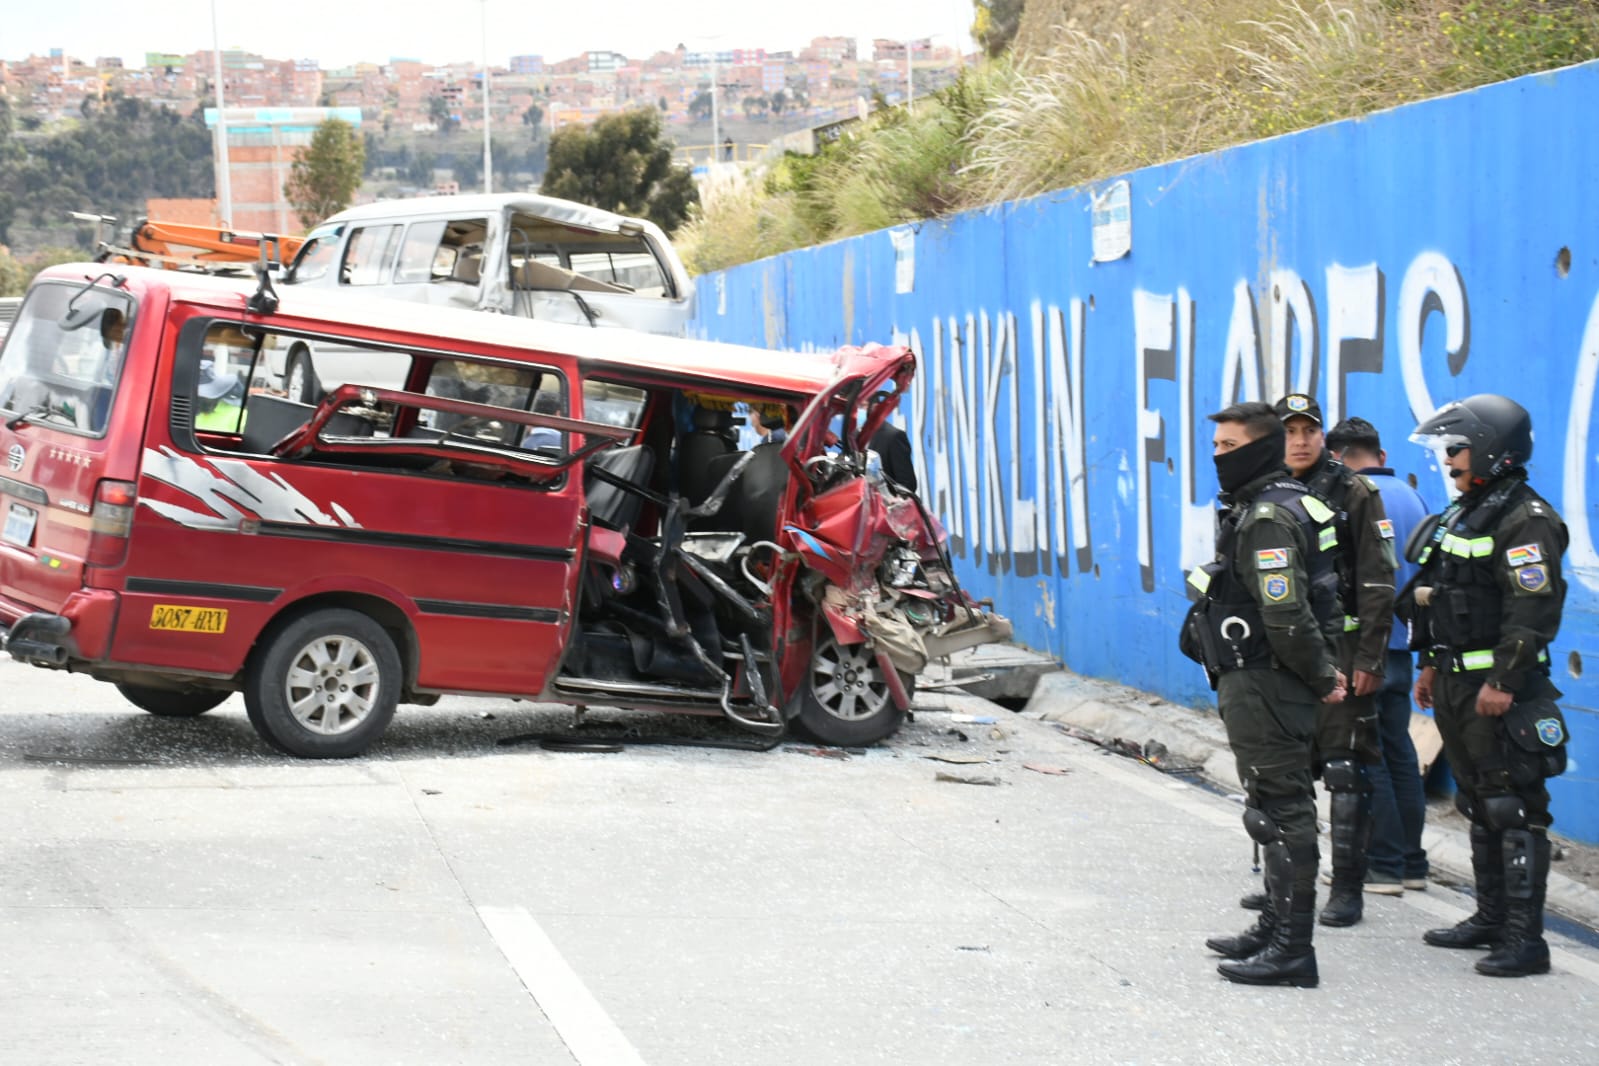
(1388, 264)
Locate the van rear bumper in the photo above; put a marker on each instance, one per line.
(81, 632)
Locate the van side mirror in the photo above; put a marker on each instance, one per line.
(78, 317)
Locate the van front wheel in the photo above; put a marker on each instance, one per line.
(325, 685)
(172, 702)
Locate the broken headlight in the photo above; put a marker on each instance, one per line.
(902, 568)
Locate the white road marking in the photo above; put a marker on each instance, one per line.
(582, 1023)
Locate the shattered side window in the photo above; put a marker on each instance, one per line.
(614, 404)
(368, 255)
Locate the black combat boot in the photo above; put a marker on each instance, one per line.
(1254, 901)
(1254, 939)
(1486, 927)
(1350, 832)
(1287, 958)
(1523, 951)
(1290, 957)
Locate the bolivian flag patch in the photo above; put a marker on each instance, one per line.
(1522, 554)
(1276, 587)
(1272, 559)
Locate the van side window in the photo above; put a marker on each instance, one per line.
(370, 251)
(226, 367)
(432, 250)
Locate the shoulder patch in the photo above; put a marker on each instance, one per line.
(1522, 554)
(1272, 559)
(1371, 486)
(1264, 510)
(1532, 577)
(1385, 529)
(1318, 511)
(1276, 587)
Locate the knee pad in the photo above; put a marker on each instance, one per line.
(1345, 775)
(1261, 829)
(1504, 811)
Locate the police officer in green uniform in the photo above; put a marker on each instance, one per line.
(1256, 629)
(1483, 608)
(1353, 529)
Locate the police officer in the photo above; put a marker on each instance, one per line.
(1353, 528)
(1256, 629)
(1483, 608)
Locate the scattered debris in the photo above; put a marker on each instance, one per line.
(973, 719)
(431, 792)
(1153, 754)
(957, 733)
(956, 779)
(972, 947)
(820, 753)
(1040, 768)
(964, 759)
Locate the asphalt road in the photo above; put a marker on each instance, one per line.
(171, 893)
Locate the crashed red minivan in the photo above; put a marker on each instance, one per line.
(540, 511)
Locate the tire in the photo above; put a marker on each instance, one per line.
(845, 701)
(299, 377)
(172, 702)
(324, 685)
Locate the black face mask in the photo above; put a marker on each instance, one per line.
(1242, 465)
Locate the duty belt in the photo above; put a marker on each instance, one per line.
(1480, 660)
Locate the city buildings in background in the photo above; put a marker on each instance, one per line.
(827, 76)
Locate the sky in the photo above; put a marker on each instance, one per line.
(339, 32)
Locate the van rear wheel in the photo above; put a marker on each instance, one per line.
(325, 685)
(172, 702)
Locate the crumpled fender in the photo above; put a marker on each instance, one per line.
(846, 628)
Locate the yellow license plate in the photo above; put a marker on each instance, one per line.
(188, 619)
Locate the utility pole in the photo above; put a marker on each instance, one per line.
(224, 180)
(488, 160)
(716, 133)
(910, 89)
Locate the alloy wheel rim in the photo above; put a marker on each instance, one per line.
(847, 682)
(332, 685)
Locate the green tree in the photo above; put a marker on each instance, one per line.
(995, 24)
(13, 275)
(534, 117)
(699, 107)
(621, 164)
(326, 172)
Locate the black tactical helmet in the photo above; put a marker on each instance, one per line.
(1496, 429)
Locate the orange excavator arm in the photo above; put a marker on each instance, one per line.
(176, 245)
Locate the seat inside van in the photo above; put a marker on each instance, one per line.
(535, 274)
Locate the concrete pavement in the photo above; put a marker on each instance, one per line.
(172, 893)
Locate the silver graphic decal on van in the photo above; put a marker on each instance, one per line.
(269, 497)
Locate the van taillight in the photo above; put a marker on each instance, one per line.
(110, 522)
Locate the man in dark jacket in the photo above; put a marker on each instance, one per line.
(1354, 530)
(893, 447)
(1487, 603)
(1257, 629)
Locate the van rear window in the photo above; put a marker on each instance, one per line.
(64, 355)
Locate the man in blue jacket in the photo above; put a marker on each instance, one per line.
(1395, 859)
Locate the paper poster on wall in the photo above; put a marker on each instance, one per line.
(904, 259)
(1113, 222)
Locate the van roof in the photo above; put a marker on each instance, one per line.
(556, 210)
(707, 363)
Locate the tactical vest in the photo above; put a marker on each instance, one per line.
(1225, 629)
(1467, 604)
(1328, 504)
